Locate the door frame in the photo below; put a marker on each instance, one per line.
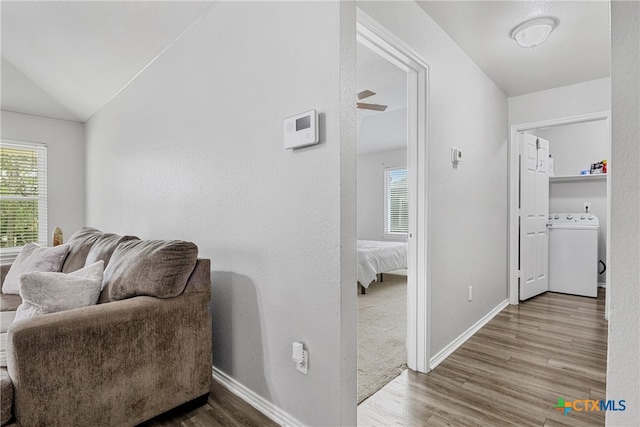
(374, 36)
(514, 190)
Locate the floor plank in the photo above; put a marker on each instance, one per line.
(511, 372)
(223, 409)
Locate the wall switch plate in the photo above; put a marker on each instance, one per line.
(470, 293)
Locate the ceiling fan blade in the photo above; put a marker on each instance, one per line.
(376, 107)
(365, 94)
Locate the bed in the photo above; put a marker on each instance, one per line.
(379, 257)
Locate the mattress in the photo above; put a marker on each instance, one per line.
(379, 257)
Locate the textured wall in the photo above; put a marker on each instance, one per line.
(371, 190)
(566, 101)
(468, 203)
(65, 165)
(623, 367)
(193, 149)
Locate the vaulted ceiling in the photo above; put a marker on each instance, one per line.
(69, 58)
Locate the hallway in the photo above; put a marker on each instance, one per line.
(512, 372)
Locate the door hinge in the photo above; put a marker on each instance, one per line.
(519, 274)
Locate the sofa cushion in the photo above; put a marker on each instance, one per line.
(9, 302)
(104, 246)
(44, 293)
(80, 244)
(157, 268)
(6, 319)
(33, 258)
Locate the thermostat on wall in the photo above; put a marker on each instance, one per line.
(301, 130)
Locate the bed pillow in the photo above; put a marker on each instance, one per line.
(33, 258)
(44, 293)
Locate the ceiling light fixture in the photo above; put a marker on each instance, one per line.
(534, 32)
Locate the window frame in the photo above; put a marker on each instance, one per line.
(8, 254)
(387, 232)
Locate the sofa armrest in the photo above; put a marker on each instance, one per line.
(117, 363)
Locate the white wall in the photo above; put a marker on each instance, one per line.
(468, 203)
(65, 165)
(371, 169)
(623, 363)
(566, 101)
(574, 147)
(193, 149)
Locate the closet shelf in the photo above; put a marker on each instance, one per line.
(565, 178)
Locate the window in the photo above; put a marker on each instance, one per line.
(396, 199)
(23, 194)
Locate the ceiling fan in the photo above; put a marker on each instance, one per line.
(362, 105)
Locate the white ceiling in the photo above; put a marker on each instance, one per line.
(381, 130)
(578, 50)
(67, 59)
(81, 54)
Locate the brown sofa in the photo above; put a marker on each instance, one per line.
(132, 356)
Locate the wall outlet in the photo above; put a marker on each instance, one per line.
(300, 356)
(587, 207)
(470, 293)
(304, 365)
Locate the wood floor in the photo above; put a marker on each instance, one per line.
(223, 408)
(510, 373)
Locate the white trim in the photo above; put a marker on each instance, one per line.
(384, 43)
(267, 408)
(514, 151)
(455, 344)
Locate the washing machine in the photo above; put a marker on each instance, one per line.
(573, 253)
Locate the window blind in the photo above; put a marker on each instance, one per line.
(396, 201)
(23, 194)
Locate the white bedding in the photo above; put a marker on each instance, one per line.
(379, 257)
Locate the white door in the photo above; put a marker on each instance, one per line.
(534, 211)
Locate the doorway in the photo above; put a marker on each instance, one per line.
(377, 39)
(553, 130)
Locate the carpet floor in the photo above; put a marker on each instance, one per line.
(382, 333)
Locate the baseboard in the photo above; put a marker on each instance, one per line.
(271, 411)
(453, 346)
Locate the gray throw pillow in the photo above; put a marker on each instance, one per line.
(33, 258)
(44, 293)
(157, 268)
(80, 242)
